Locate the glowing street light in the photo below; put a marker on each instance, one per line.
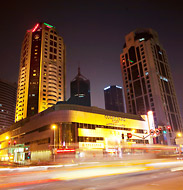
(179, 134)
(7, 137)
(53, 126)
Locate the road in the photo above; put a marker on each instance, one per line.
(127, 175)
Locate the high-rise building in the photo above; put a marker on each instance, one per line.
(113, 96)
(7, 104)
(147, 79)
(80, 90)
(41, 81)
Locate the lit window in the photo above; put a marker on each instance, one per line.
(33, 94)
(34, 74)
(0, 105)
(32, 108)
(141, 39)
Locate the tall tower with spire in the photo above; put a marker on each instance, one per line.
(80, 90)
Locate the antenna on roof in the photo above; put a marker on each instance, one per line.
(79, 73)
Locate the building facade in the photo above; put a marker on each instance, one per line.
(79, 128)
(7, 104)
(80, 90)
(41, 81)
(113, 96)
(147, 79)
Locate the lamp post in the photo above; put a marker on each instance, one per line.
(54, 127)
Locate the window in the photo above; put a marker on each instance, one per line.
(132, 54)
(135, 72)
(137, 88)
(140, 105)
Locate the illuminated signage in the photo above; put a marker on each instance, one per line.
(48, 25)
(150, 120)
(35, 28)
(113, 118)
(65, 150)
(90, 145)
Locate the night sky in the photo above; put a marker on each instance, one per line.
(93, 32)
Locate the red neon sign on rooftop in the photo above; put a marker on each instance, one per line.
(35, 28)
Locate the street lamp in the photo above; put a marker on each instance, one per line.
(54, 127)
(7, 137)
(179, 134)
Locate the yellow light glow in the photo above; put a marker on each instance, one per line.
(53, 127)
(179, 134)
(7, 137)
(133, 130)
(150, 120)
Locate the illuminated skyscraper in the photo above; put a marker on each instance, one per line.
(41, 81)
(7, 104)
(113, 96)
(147, 79)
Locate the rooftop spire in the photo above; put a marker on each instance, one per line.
(79, 73)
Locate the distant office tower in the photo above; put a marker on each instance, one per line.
(113, 96)
(147, 79)
(7, 104)
(41, 81)
(80, 90)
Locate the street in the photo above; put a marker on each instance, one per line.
(127, 175)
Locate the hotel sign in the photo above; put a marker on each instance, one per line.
(90, 145)
(113, 120)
